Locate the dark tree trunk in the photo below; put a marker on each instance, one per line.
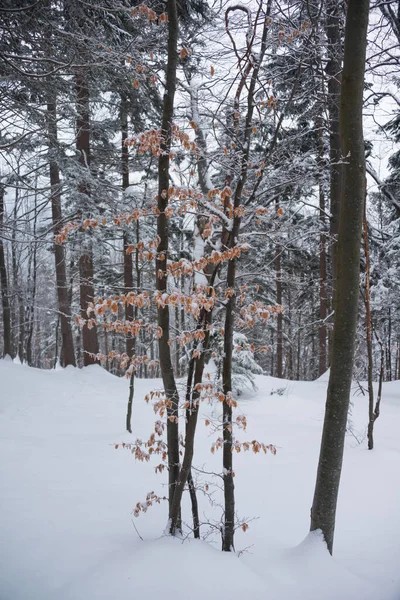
(90, 342)
(17, 285)
(21, 324)
(279, 320)
(128, 257)
(167, 372)
(86, 269)
(128, 260)
(32, 279)
(195, 376)
(64, 306)
(7, 347)
(229, 487)
(131, 348)
(232, 240)
(389, 370)
(323, 511)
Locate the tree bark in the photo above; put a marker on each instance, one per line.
(7, 343)
(323, 300)
(32, 279)
(279, 320)
(334, 72)
(127, 259)
(195, 376)
(90, 341)
(166, 367)
(368, 327)
(232, 240)
(323, 511)
(64, 307)
(373, 411)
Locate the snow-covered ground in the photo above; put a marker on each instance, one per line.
(67, 496)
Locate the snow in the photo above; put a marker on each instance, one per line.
(67, 496)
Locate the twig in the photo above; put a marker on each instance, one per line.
(136, 529)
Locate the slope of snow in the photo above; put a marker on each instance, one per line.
(67, 496)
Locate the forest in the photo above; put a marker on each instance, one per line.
(200, 212)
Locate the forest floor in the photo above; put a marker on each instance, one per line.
(67, 496)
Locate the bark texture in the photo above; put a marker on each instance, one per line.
(323, 298)
(67, 352)
(128, 260)
(90, 341)
(334, 72)
(323, 511)
(166, 367)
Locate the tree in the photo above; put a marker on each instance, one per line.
(7, 349)
(323, 509)
(167, 372)
(68, 355)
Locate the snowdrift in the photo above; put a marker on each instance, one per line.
(67, 497)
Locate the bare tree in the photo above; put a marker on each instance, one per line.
(166, 367)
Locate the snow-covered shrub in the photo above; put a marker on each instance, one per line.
(244, 366)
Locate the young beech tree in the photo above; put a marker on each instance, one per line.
(223, 209)
(323, 509)
(167, 372)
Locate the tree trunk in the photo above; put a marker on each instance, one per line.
(279, 320)
(128, 260)
(368, 326)
(232, 240)
(167, 372)
(64, 307)
(31, 287)
(333, 70)
(323, 511)
(389, 373)
(7, 347)
(195, 376)
(86, 269)
(322, 254)
(17, 284)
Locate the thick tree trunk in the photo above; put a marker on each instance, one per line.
(86, 269)
(323, 511)
(167, 372)
(7, 347)
(64, 307)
